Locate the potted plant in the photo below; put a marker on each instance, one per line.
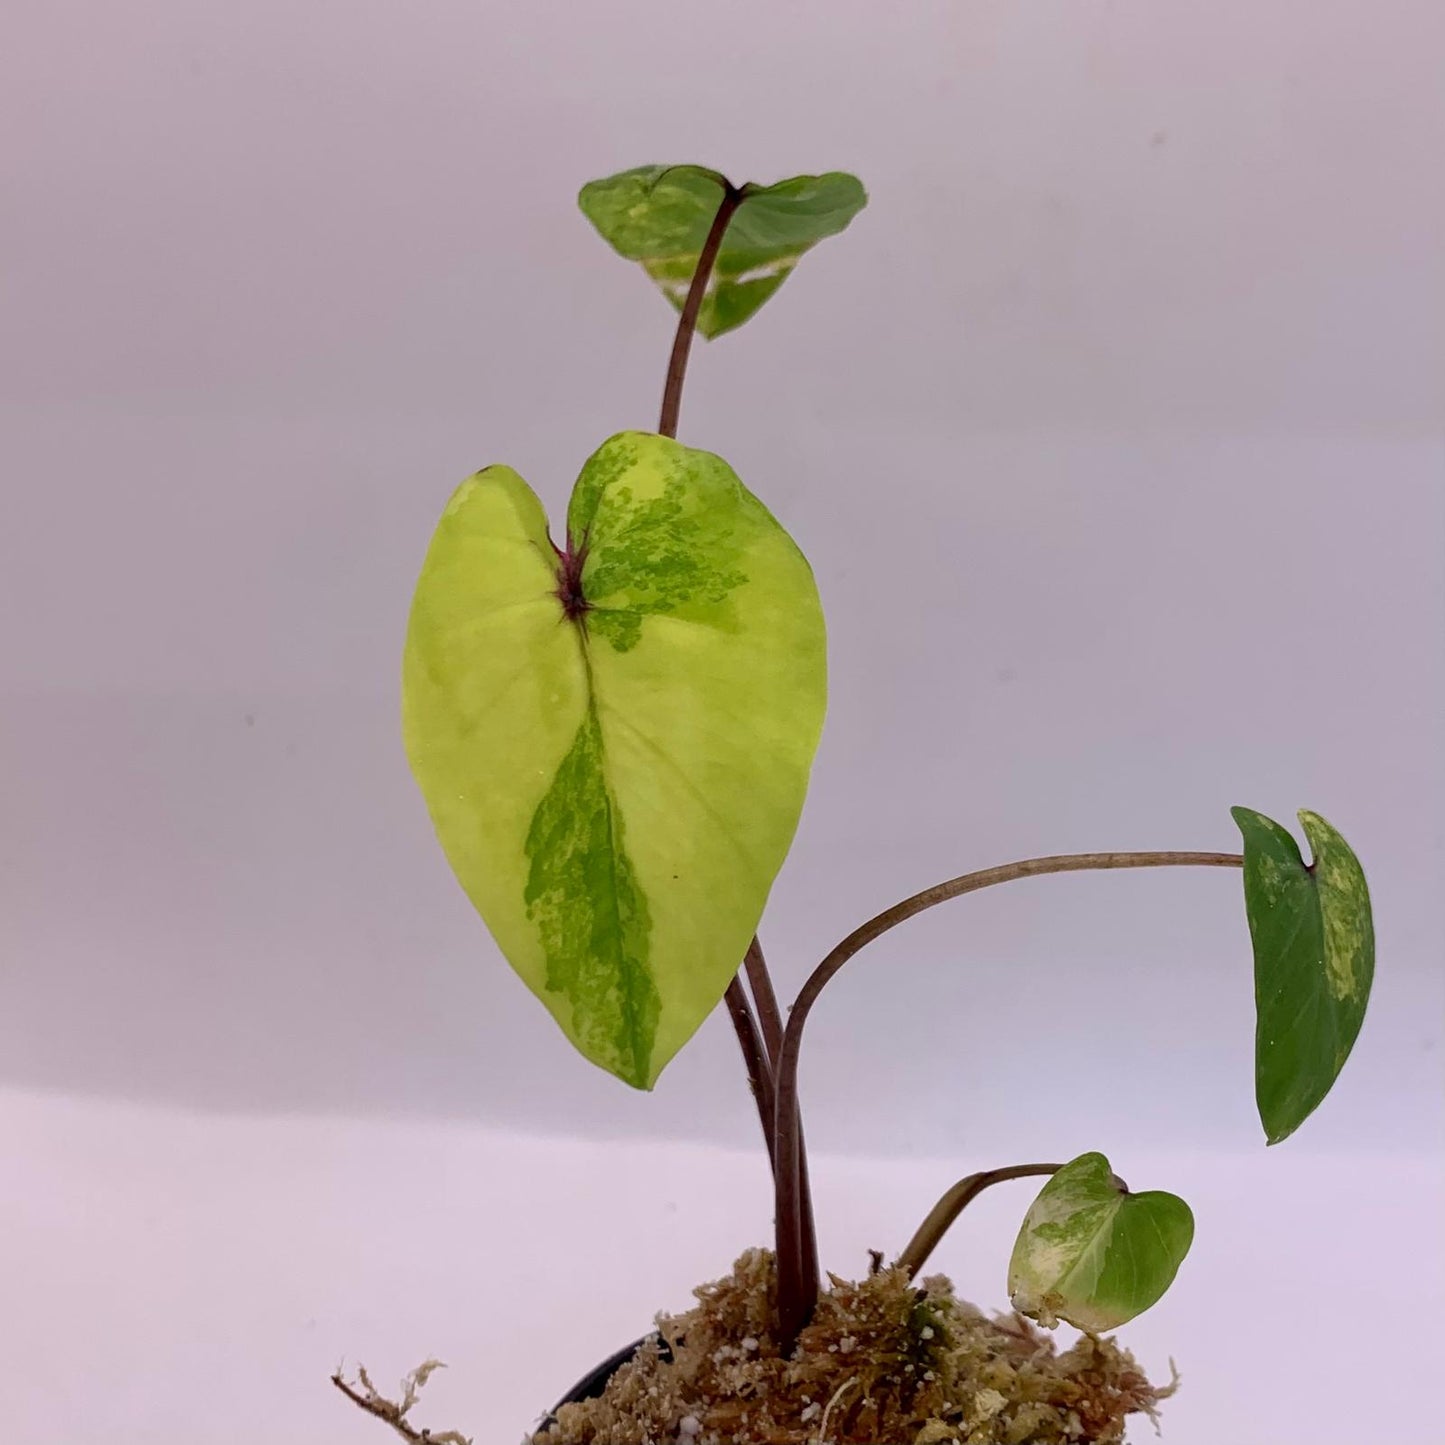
(612, 723)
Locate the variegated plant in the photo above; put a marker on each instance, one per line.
(613, 722)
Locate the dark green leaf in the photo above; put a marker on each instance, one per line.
(1314, 961)
(660, 217)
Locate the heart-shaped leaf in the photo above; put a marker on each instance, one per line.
(661, 215)
(1314, 962)
(614, 741)
(1092, 1253)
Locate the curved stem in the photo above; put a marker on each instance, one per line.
(687, 322)
(797, 1294)
(760, 1037)
(756, 1059)
(941, 1216)
(771, 1019)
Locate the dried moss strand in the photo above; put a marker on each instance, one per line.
(797, 1292)
(365, 1396)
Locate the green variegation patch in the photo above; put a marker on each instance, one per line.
(1314, 962)
(1093, 1254)
(614, 739)
(660, 216)
(592, 917)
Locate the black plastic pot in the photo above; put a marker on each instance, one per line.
(592, 1384)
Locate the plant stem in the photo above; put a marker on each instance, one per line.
(771, 1019)
(797, 1291)
(756, 1058)
(953, 1203)
(927, 1235)
(761, 1072)
(687, 322)
(769, 1015)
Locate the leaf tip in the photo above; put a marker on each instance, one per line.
(1277, 1133)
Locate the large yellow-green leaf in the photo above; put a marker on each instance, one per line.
(1092, 1253)
(614, 740)
(1314, 962)
(660, 216)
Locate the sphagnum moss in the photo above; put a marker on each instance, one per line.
(885, 1361)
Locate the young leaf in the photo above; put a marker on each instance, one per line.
(1314, 961)
(660, 216)
(1092, 1253)
(614, 742)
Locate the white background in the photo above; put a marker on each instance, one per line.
(1115, 431)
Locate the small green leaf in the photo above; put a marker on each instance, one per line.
(614, 743)
(1314, 962)
(660, 216)
(1092, 1253)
